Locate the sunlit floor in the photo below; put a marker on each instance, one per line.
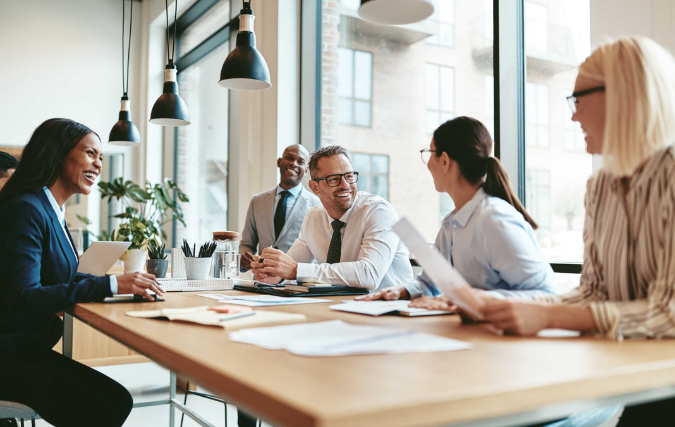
(148, 381)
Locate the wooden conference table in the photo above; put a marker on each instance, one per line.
(501, 381)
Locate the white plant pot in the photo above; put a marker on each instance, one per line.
(135, 261)
(197, 268)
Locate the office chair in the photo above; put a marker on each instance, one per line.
(17, 410)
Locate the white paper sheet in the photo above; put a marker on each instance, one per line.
(378, 308)
(337, 338)
(262, 300)
(439, 270)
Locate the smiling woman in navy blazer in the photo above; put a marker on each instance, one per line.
(38, 279)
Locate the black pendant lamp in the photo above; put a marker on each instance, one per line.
(170, 109)
(395, 12)
(245, 68)
(125, 132)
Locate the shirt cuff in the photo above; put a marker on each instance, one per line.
(607, 319)
(113, 284)
(307, 270)
(415, 289)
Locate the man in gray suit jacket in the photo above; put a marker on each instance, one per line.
(274, 217)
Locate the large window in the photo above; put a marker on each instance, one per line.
(440, 94)
(373, 172)
(385, 89)
(557, 39)
(355, 87)
(200, 155)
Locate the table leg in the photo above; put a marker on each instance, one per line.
(172, 397)
(67, 343)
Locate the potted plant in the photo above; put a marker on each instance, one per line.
(157, 264)
(198, 264)
(154, 207)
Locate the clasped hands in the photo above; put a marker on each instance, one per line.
(272, 266)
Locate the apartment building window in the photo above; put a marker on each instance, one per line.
(373, 172)
(537, 115)
(539, 196)
(201, 151)
(536, 27)
(355, 87)
(440, 95)
(443, 23)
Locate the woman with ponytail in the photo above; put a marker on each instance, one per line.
(489, 237)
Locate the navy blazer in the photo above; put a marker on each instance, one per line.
(38, 273)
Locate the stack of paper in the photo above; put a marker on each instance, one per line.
(337, 338)
(261, 300)
(378, 308)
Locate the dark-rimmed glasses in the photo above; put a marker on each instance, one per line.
(334, 180)
(572, 99)
(426, 154)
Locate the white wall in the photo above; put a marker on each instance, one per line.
(617, 18)
(63, 59)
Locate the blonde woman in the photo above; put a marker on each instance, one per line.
(624, 99)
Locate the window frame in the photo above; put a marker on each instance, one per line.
(353, 99)
(187, 59)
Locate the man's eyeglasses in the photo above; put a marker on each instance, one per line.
(572, 99)
(334, 180)
(426, 154)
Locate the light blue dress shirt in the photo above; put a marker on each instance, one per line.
(492, 246)
(62, 220)
(290, 199)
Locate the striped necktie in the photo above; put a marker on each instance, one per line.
(335, 248)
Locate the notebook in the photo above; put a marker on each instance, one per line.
(203, 316)
(378, 308)
(281, 293)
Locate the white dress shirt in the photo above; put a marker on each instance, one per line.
(59, 211)
(372, 256)
(290, 199)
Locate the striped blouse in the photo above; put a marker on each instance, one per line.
(628, 275)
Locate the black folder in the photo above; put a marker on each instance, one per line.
(345, 290)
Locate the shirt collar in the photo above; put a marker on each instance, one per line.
(345, 217)
(58, 210)
(464, 214)
(294, 191)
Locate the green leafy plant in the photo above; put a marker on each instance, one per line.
(155, 251)
(155, 207)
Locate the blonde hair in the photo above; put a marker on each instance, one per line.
(638, 77)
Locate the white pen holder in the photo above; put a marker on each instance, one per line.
(197, 268)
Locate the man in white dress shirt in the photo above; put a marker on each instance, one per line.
(349, 235)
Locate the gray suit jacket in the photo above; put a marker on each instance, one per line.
(259, 228)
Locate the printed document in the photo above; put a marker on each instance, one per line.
(261, 300)
(338, 338)
(439, 270)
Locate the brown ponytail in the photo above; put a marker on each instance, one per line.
(468, 142)
(498, 184)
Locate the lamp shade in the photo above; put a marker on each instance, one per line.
(124, 132)
(395, 12)
(170, 109)
(245, 68)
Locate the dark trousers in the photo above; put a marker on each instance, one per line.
(246, 420)
(651, 414)
(63, 392)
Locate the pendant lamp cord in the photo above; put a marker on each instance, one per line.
(175, 20)
(125, 89)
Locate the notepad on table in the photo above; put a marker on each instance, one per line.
(378, 308)
(204, 316)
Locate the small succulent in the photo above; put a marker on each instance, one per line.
(155, 251)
